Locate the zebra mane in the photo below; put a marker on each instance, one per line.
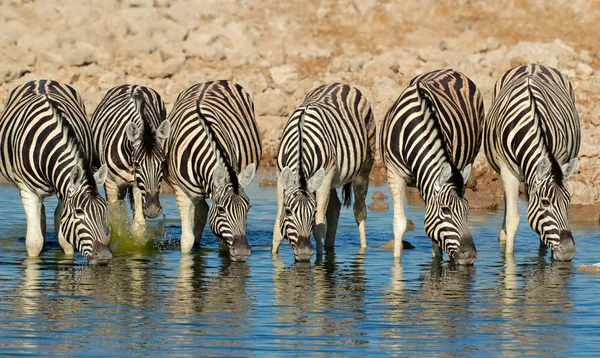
(74, 141)
(456, 180)
(148, 134)
(217, 148)
(556, 170)
(303, 183)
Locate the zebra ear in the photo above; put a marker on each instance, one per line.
(287, 178)
(76, 178)
(444, 177)
(316, 180)
(100, 175)
(247, 175)
(133, 132)
(543, 168)
(220, 177)
(163, 130)
(466, 172)
(569, 168)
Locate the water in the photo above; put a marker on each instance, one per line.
(159, 302)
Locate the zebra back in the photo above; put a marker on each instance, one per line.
(458, 108)
(437, 119)
(532, 105)
(333, 127)
(32, 111)
(120, 106)
(227, 111)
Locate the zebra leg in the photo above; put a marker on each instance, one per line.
(112, 191)
(511, 212)
(43, 218)
(186, 211)
(276, 230)
(332, 215)
(67, 248)
(139, 221)
(397, 189)
(34, 239)
(360, 186)
(201, 214)
(322, 196)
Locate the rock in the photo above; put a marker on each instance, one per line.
(322, 13)
(363, 7)
(585, 213)
(165, 69)
(589, 268)
(270, 102)
(379, 196)
(405, 245)
(139, 3)
(584, 69)
(586, 56)
(267, 183)
(483, 200)
(379, 206)
(9, 72)
(284, 77)
(254, 83)
(377, 177)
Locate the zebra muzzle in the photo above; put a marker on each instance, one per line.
(101, 254)
(303, 250)
(240, 249)
(566, 247)
(152, 207)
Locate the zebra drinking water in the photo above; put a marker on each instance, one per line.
(129, 126)
(328, 142)
(532, 135)
(46, 146)
(431, 134)
(213, 150)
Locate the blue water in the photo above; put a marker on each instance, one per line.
(161, 303)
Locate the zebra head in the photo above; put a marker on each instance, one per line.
(147, 159)
(547, 208)
(446, 217)
(228, 213)
(299, 206)
(83, 220)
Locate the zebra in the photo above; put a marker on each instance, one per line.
(214, 135)
(429, 139)
(46, 146)
(128, 127)
(328, 142)
(532, 135)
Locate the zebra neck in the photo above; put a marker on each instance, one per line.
(426, 178)
(63, 182)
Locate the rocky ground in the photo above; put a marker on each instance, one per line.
(279, 50)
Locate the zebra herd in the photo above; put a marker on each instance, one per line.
(209, 146)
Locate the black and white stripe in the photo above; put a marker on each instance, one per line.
(129, 126)
(213, 150)
(431, 134)
(328, 142)
(46, 145)
(532, 135)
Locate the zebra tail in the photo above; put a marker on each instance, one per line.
(347, 194)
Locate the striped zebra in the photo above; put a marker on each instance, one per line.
(213, 151)
(328, 142)
(429, 139)
(46, 146)
(129, 126)
(532, 135)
